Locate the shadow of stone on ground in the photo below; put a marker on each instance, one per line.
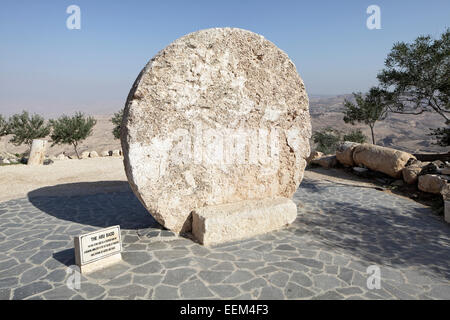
(66, 257)
(70, 202)
(373, 227)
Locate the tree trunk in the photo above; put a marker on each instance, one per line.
(37, 152)
(373, 136)
(76, 151)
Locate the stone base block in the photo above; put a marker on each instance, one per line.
(100, 264)
(233, 221)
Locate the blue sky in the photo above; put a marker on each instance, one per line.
(49, 69)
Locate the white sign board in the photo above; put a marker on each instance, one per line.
(97, 245)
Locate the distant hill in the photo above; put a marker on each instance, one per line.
(404, 132)
(399, 131)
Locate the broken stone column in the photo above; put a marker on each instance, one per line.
(215, 121)
(37, 153)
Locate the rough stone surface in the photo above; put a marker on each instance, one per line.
(382, 159)
(314, 155)
(116, 153)
(411, 174)
(93, 154)
(226, 222)
(84, 155)
(37, 153)
(431, 183)
(344, 153)
(61, 157)
(218, 116)
(328, 161)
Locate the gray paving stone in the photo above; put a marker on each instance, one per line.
(326, 282)
(136, 258)
(30, 289)
(225, 291)
(324, 254)
(163, 292)
(213, 276)
(30, 245)
(33, 274)
(16, 270)
(119, 281)
(5, 293)
(151, 267)
(329, 295)
(177, 276)
(131, 291)
(349, 290)
(253, 284)
(265, 270)
(110, 272)
(147, 280)
(301, 278)
(440, 292)
(309, 262)
(271, 293)
(60, 293)
(91, 290)
(223, 266)
(279, 279)
(345, 274)
(164, 255)
(54, 245)
(56, 276)
(294, 291)
(8, 282)
(195, 290)
(8, 264)
(238, 276)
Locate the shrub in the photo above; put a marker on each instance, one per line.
(72, 130)
(355, 136)
(326, 140)
(117, 121)
(25, 128)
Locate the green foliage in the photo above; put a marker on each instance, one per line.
(442, 136)
(355, 136)
(416, 78)
(117, 121)
(368, 109)
(25, 128)
(72, 130)
(326, 140)
(4, 126)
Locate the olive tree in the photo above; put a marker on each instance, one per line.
(368, 109)
(72, 130)
(417, 79)
(4, 126)
(25, 128)
(117, 122)
(326, 140)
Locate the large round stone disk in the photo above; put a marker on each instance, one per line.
(219, 116)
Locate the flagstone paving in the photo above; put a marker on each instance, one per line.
(340, 231)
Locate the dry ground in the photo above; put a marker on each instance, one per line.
(18, 180)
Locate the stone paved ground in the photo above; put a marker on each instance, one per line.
(339, 232)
